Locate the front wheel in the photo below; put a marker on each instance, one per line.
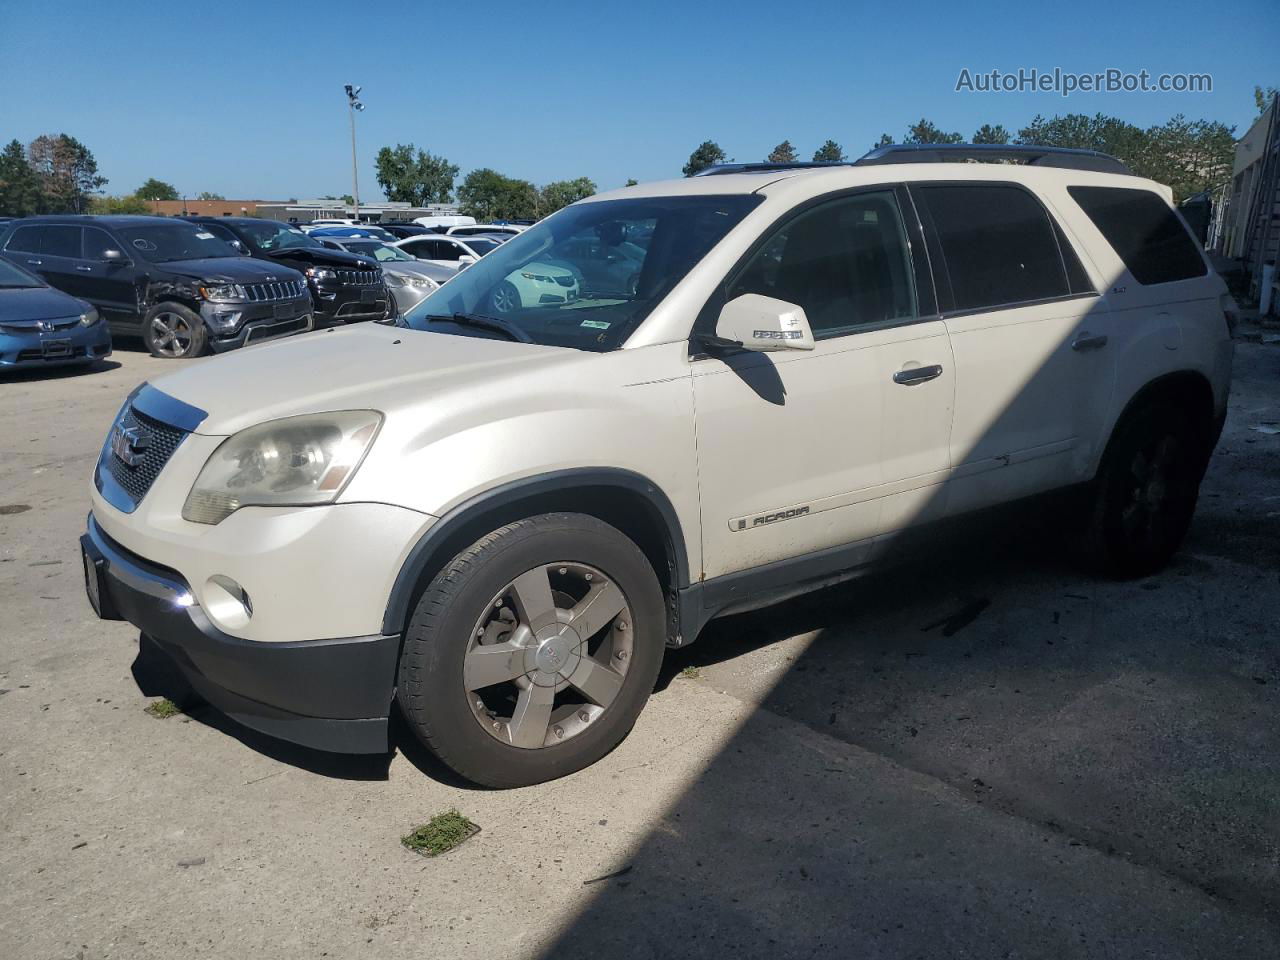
(173, 332)
(532, 653)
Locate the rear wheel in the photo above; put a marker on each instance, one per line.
(506, 298)
(1145, 493)
(532, 653)
(173, 332)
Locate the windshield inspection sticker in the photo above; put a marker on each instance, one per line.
(597, 324)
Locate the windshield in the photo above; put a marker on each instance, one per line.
(12, 276)
(269, 235)
(587, 276)
(379, 251)
(166, 242)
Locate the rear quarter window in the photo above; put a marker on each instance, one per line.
(1144, 232)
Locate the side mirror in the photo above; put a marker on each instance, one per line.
(466, 259)
(763, 324)
(114, 257)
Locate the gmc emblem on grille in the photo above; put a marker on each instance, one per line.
(130, 444)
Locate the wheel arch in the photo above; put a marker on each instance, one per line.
(1188, 390)
(626, 500)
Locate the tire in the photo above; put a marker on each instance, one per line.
(1144, 496)
(489, 595)
(173, 332)
(506, 298)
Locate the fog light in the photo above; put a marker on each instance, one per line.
(226, 602)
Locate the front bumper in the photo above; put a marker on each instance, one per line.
(233, 325)
(327, 694)
(32, 349)
(337, 302)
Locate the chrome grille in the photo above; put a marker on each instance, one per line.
(360, 277)
(266, 292)
(34, 326)
(163, 440)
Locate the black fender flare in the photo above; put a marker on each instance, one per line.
(426, 552)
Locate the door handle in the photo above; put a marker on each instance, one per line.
(914, 375)
(1087, 342)
(83, 269)
(35, 263)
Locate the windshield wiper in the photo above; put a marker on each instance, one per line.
(482, 322)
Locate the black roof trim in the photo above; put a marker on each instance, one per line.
(1068, 158)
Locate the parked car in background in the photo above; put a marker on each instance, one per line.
(173, 283)
(443, 223)
(364, 230)
(408, 278)
(479, 229)
(456, 252)
(344, 287)
(403, 229)
(44, 327)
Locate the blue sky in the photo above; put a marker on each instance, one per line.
(246, 99)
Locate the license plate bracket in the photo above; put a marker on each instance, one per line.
(52, 349)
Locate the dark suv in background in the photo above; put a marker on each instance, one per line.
(344, 287)
(172, 283)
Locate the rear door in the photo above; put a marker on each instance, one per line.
(802, 452)
(1028, 332)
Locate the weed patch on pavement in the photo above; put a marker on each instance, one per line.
(440, 834)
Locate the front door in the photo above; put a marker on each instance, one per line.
(799, 452)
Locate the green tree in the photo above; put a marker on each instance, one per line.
(561, 193)
(708, 154)
(155, 189)
(631, 182)
(1263, 97)
(926, 132)
(829, 152)
(206, 195)
(67, 172)
(782, 153)
(409, 175)
(128, 203)
(884, 141)
(488, 195)
(989, 134)
(19, 186)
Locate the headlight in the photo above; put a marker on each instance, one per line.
(537, 276)
(409, 280)
(223, 291)
(322, 273)
(298, 461)
(90, 318)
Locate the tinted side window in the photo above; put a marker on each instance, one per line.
(97, 242)
(998, 243)
(61, 241)
(25, 240)
(845, 261)
(1144, 232)
(444, 250)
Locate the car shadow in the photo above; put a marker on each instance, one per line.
(67, 372)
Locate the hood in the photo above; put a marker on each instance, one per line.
(304, 257)
(229, 270)
(38, 303)
(367, 366)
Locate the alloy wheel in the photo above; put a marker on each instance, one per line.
(549, 654)
(171, 334)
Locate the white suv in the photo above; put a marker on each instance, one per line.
(498, 519)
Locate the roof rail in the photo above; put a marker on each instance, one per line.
(1068, 158)
(765, 166)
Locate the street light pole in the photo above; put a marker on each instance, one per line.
(354, 104)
